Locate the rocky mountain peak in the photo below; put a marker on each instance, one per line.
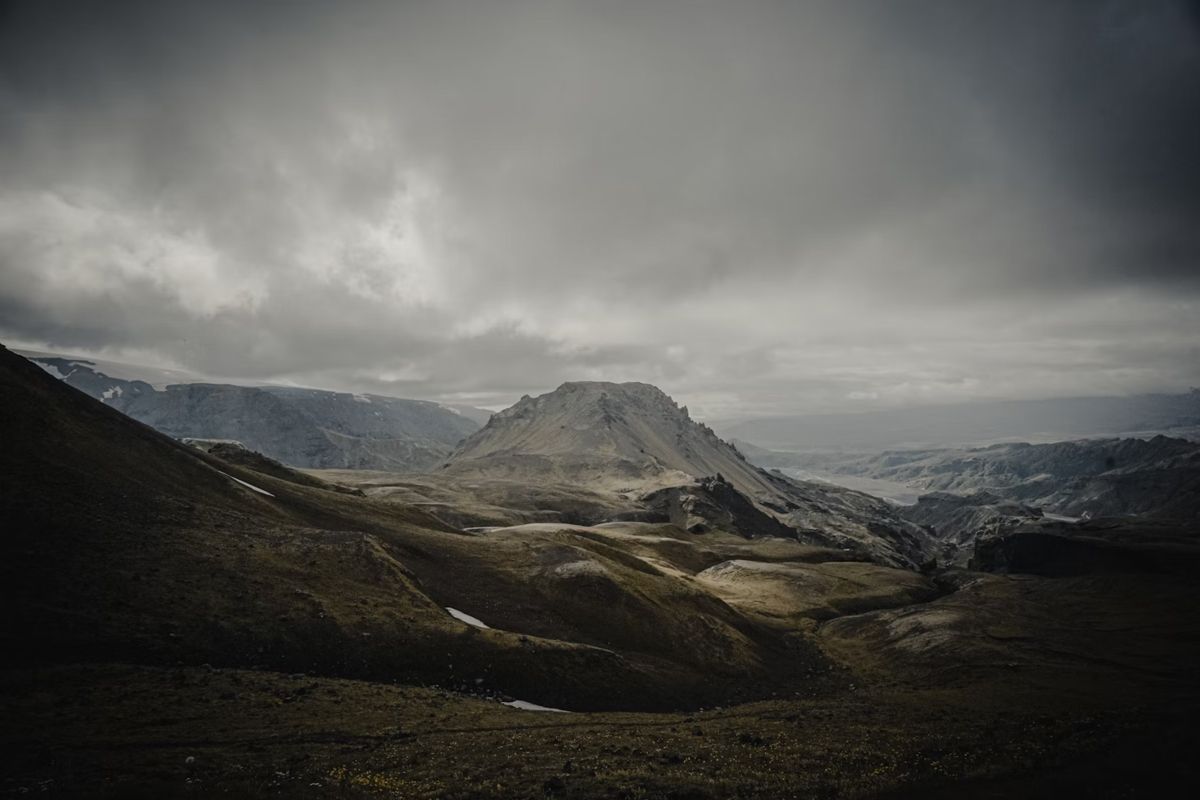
(629, 428)
(632, 438)
(616, 398)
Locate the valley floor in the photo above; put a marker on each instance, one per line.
(151, 732)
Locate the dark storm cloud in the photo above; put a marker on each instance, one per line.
(761, 206)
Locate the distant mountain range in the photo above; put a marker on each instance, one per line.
(966, 424)
(1096, 477)
(642, 456)
(974, 495)
(301, 427)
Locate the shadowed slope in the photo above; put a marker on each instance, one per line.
(124, 544)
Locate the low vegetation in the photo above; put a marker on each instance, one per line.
(183, 623)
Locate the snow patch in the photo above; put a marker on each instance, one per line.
(247, 485)
(462, 616)
(111, 392)
(53, 370)
(361, 398)
(525, 706)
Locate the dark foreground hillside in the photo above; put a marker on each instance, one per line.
(179, 625)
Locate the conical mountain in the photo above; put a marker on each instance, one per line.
(618, 433)
(632, 438)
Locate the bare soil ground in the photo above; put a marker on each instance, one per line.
(125, 731)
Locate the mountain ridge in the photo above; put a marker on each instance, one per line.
(973, 424)
(1099, 477)
(311, 428)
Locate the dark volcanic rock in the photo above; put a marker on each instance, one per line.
(711, 504)
(956, 521)
(1103, 546)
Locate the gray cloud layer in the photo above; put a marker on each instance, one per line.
(763, 207)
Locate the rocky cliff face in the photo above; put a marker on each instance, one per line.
(300, 427)
(1109, 546)
(634, 439)
(713, 503)
(957, 521)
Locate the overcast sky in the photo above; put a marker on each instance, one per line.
(761, 207)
